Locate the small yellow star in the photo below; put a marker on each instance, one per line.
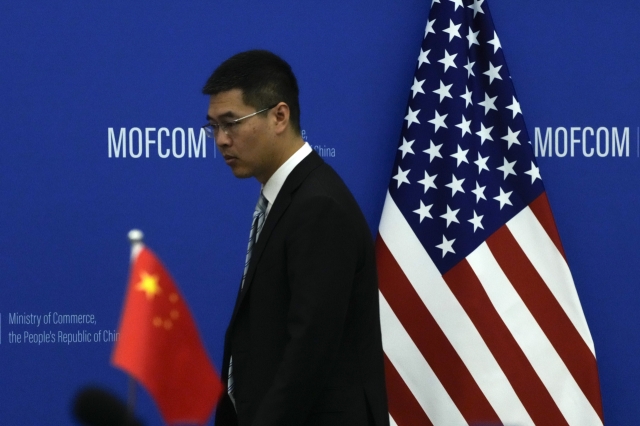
(149, 284)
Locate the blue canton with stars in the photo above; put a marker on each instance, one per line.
(465, 164)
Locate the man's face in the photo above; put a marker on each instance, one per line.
(249, 148)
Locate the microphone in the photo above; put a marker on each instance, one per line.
(93, 406)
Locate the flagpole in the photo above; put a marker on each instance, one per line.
(131, 398)
(135, 238)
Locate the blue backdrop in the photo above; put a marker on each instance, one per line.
(74, 74)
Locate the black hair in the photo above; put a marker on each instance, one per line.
(264, 78)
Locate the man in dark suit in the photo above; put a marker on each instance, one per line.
(303, 347)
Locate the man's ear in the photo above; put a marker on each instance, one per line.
(280, 114)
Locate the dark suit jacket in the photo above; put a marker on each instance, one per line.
(305, 331)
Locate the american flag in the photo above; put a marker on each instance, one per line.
(481, 320)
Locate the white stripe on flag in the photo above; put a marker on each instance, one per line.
(392, 422)
(449, 314)
(544, 359)
(415, 371)
(552, 267)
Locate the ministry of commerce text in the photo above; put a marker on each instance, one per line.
(582, 141)
(148, 142)
(50, 318)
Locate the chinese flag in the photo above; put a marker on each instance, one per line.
(160, 347)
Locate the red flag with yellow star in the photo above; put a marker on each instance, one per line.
(160, 347)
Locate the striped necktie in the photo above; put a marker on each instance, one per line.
(256, 227)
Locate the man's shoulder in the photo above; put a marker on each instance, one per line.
(314, 184)
(323, 180)
(314, 175)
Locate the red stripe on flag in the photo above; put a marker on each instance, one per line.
(548, 313)
(542, 211)
(403, 407)
(525, 382)
(430, 340)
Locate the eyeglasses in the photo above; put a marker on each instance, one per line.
(212, 129)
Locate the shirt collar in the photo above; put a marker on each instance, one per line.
(271, 189)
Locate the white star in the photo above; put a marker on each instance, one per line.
(469, 67)
(495, 42)
(488, 104)
(443, 91)
(422, 59)
(417, 87)
(433, 151)
(479, 191)
(401, 177)
(493, 73)
(473, 37)
(534, 173)
(458, 3)
(467, 97)
(424, 211)
(428, 181)
(476, 221)
(465, 126)
(438, 121)
(448, 60)
(481, 162)
(476, 6)
(507, 168)
(429, 28)
(455, 185)
(434, 1)
(450, 216)
(503, 198)
(515, 107)
(406, 147)
(453, 30)
(412, 117)
(512, 137)
(484, 133)
(446, 246)
(461, 156)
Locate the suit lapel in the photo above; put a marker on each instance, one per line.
(280, 205)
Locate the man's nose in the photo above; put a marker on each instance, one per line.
(222, 139)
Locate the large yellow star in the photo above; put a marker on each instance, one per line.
(149, 284)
